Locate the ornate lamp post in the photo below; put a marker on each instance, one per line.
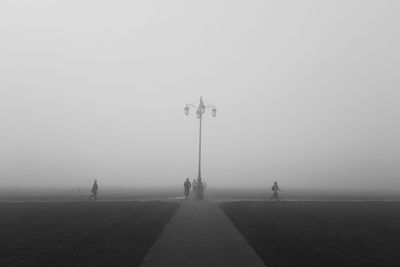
(200, 109)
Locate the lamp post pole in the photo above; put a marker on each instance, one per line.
(199, 175)
(200, 111)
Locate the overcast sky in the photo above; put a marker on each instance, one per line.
(307, 93)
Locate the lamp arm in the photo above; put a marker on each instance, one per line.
(191, 105)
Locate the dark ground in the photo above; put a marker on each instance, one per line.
(80, 233)
(320, 233)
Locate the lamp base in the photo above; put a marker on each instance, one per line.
(200, 190)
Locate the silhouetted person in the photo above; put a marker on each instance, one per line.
(194, 187)
(275, 189)
(95, 187)
(204, 186)
(187, 186)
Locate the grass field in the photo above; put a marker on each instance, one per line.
(320, 233)
(80, 233)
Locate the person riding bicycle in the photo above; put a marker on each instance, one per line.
(275, 189)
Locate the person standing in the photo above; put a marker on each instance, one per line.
(95, 187)
(187, 186)
(194, 184)
(275, 189)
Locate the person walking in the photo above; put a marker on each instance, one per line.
(187, 186)
(275, 189)
(95, 187)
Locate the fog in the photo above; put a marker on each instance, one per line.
(307, 93)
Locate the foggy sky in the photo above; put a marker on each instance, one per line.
(307, 93)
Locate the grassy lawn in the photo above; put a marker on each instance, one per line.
(80, 233)
(320, 233)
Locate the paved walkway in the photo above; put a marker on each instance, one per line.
(200, 234)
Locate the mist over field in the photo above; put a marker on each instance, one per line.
(307, 94)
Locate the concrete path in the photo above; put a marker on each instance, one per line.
(200, 234)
